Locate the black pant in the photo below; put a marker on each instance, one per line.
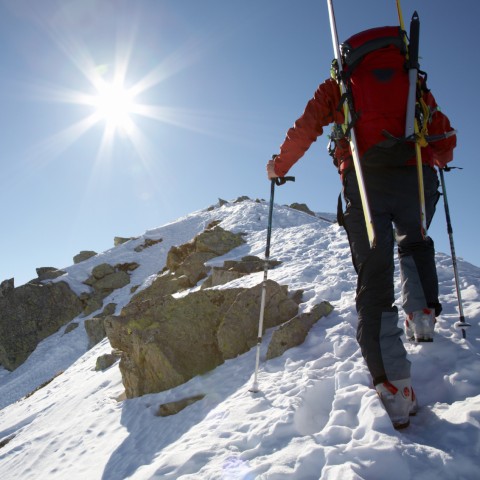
(394, 203)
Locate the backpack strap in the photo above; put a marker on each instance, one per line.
(353, 56)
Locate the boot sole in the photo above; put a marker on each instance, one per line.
(400, 426)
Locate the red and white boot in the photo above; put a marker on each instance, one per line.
(419, 325)
(399, 401)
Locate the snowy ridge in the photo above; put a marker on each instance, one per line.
(316, 416)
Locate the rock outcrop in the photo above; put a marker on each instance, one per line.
(30, 313)
(83, 255)
(166, 341)
(104, 280)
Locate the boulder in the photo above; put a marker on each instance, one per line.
(148, 242)
(294, 332)
(95, 330)
(30, 313)
(172, 408)
(121, 240)
(214, 240)
(6, 287)
(166, 341)
(112, 281)
(302, 207)
(83, 255)
(70, 328)
(95, 327)
(104, 280)
(193, 267)
(234, 269)
(238, 331)
(105, 361)
(49, 273)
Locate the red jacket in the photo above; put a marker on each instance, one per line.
(322, 110)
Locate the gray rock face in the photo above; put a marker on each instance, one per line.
(302, 207)
(233, 269)
(83, 255)
(30, 313)
(49, 273)
(294, 332)
(104, 280)
(95, 327)
(166, 341)
(6, 287)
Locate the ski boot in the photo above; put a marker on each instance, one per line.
(419, 325)
(399, 401)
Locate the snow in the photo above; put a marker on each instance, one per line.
(316, 415)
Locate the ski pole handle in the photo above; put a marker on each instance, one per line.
(281, 180)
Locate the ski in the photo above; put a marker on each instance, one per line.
(352, 138)
(411, 123)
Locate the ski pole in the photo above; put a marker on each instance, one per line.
(275, 181)
(352, 137)
(461, 324)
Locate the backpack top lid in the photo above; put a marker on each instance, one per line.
(363, 43)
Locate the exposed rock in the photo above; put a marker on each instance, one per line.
(102, 270)
(250, 264)
(95, 327)
(172, 408)
(104, 280)
(121, 240)
(302, 207)
(108, 310)
(217, 241)
(193, 267)
(95, 330)
(71, 327)
(93, 302)
(30, 313)
(220, 276)
(241, 199)
(166, 341)
(238, 330)
(234, 269)
(6, 440)
(6, 287)
(105, 361)
(294, 332)
(49, 273)
(112, 281)
(127, 267)
(83, 255)
(189, 259)
(149, 242)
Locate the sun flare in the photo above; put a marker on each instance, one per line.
(114, 104)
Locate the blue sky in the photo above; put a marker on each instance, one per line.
(217, 85)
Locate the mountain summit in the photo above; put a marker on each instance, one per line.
(316, 415)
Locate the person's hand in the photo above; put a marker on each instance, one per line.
(271, 170)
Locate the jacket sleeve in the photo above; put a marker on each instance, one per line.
(438, 125)
(320, 111)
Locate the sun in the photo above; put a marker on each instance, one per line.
(117, 97)
(114, 104)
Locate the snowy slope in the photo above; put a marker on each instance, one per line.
(316, 416)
